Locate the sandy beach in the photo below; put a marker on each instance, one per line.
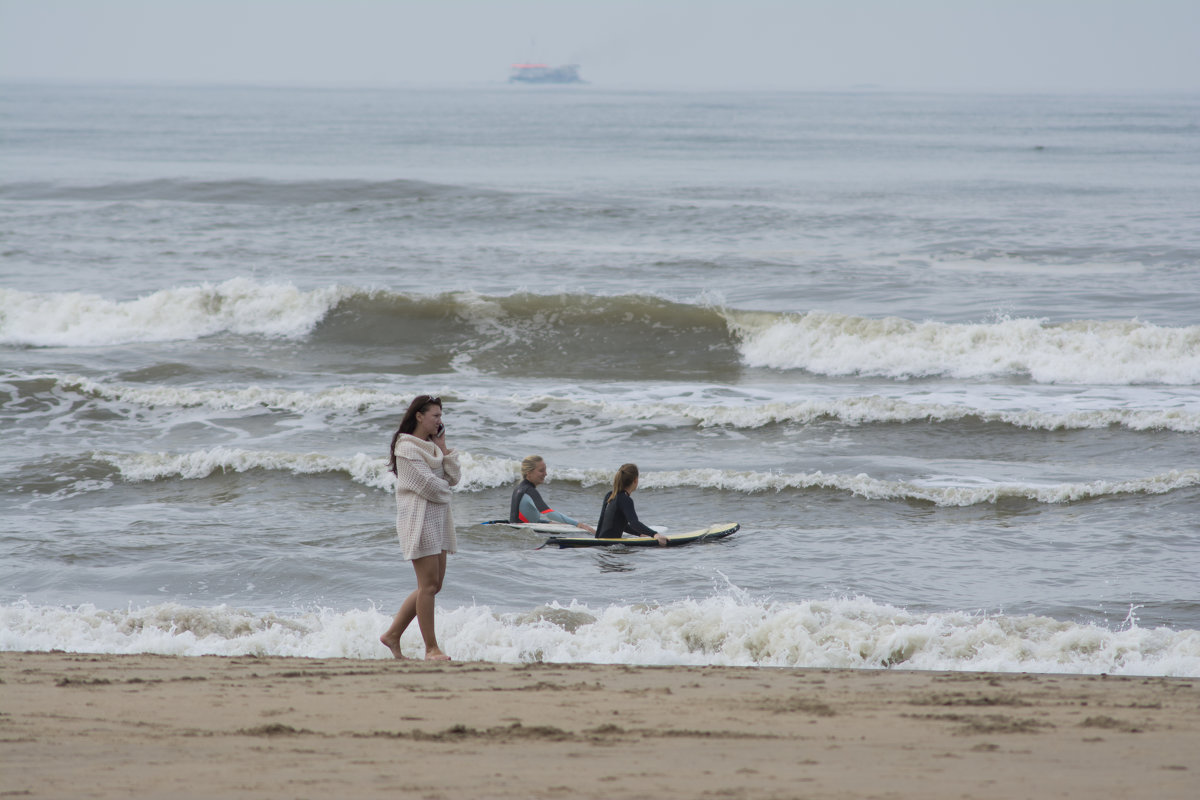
(79, 725)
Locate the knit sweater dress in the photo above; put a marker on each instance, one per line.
(424, 476)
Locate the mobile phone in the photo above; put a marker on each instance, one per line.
(441, 429)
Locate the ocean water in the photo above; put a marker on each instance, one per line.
(939, 354)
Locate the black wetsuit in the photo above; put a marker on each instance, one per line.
(618, 517)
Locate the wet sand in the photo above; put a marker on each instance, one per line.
(77, 725)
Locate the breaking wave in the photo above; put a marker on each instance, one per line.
(488, 472)
(728, 630)
(239, 306)
(745, 413)
(576, 334)
(479, 472)
(1084, 351)
(862, 410)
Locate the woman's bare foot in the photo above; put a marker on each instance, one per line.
(394, 647)
(436, 655)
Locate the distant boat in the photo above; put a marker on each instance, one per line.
(544, 73)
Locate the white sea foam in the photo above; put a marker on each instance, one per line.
(862, 410)
(1117, 352)
(334, 398)
(1093, 352)
(730, 630)
(747, 412)
(238, 306)
(481, 472)
(137, 467)
(864, 485)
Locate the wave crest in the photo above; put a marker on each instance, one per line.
(863, 410)
(1086, 351)
(239, 306)
(730, 630)
(481, 472)
(573, 335)
(747, 413)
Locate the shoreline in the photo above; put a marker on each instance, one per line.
(76, 724)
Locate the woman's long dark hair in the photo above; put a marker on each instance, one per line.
(408, 423)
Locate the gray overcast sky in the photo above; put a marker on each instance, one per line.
(920, 44)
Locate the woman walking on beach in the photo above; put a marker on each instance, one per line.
(425, 470)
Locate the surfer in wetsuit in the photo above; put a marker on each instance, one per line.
(617, 515)
(527, 504)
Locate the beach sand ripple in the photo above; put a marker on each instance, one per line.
(152, 726)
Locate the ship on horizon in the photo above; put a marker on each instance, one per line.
(544, 73)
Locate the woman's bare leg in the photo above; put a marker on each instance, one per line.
(431, 570)
(406, 614)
